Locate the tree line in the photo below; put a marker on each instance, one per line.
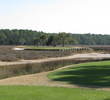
(39, 38)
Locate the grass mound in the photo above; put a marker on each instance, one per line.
(50, 93)
(86, 74)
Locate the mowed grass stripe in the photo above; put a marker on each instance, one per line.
(50, 93)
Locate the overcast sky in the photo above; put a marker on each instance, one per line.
(75, 16)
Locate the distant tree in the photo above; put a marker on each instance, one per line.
(43, 39)
(36, 41)
(22, 41)
(53, 40)
(71, 40)
(3, 39)
(29, 37)
(64, 38)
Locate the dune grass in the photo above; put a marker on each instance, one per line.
(50, 93)
(86, 74)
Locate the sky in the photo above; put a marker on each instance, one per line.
(74, 16)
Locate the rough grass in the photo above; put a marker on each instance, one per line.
(87, 74)
(50, 93)
(8, 54)
(32, 52)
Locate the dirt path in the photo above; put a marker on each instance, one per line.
(40, 79)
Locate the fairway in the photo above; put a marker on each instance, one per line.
(50, 93)
(86, 74)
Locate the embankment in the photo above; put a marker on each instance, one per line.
(9, 69)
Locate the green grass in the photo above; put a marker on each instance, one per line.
(86, 74)
(50, 93)
(48, 48)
